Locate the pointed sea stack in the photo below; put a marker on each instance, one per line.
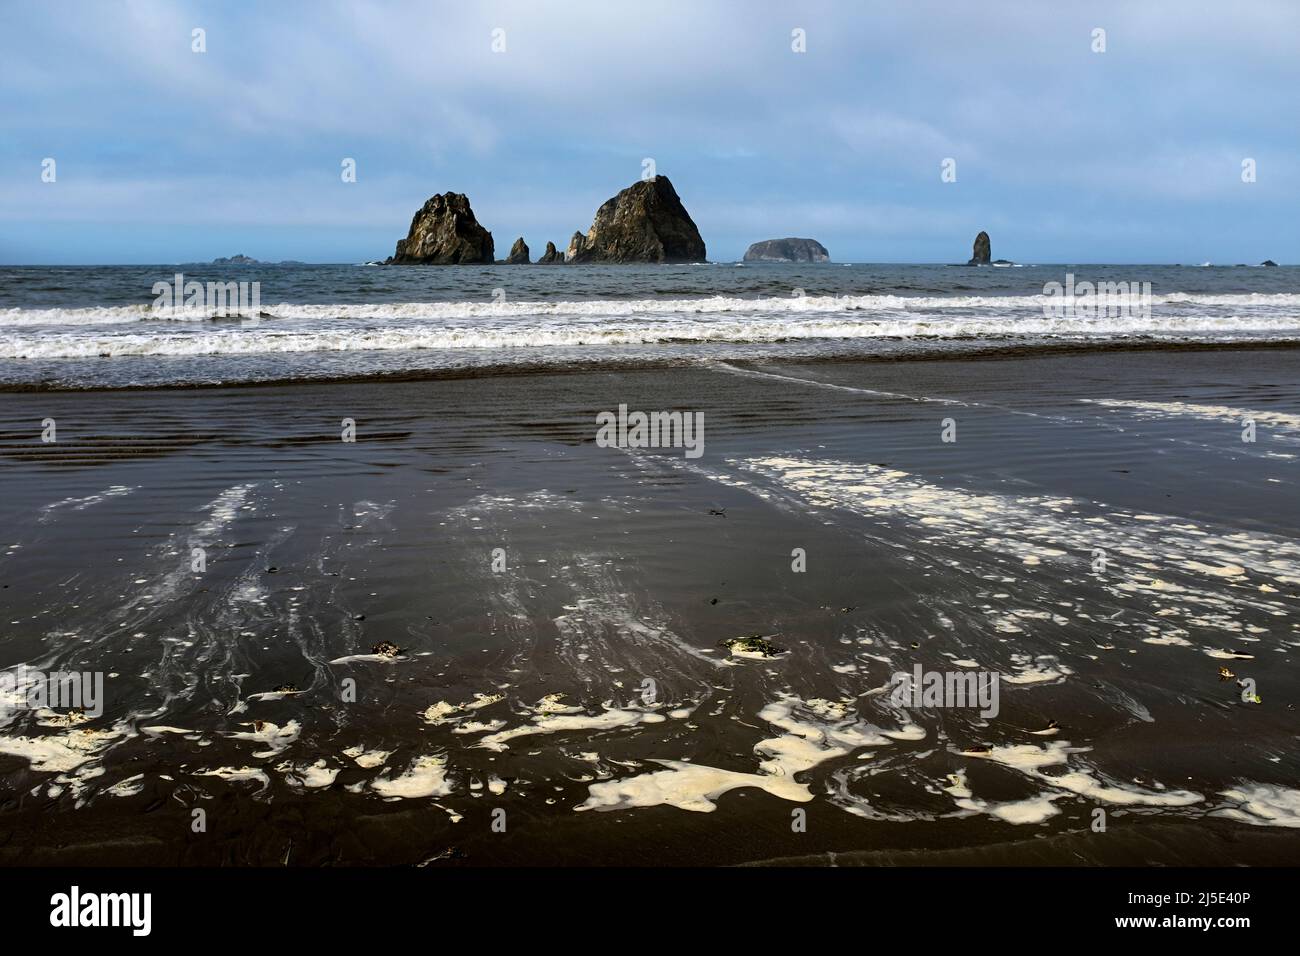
(982, 254)
(444, 232)
(551, 255)
(644, 223)
(518, 253)
(577, 246)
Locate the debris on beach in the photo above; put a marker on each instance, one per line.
(554, 704)
(443, 710)
(753, 645)
(76, 715)
(451, 853)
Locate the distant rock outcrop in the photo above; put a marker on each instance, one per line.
(577, 246)
(1269, 262)
(787, 250)
(518, 253)
(444, 232)
(239, 260)
(551, 255)
(644, 223)
(982, 254)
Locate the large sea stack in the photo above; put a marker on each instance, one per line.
(787, 250)
(982, 254)
(551, 255)
(644, 223)
(444, 232)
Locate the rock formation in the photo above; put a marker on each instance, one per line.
(518, 253)
(983, 251)
(644, 223)
(1269, 262)
(577, 246)
(444, 232)
(787, 250)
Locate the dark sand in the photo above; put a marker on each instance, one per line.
(977, 552)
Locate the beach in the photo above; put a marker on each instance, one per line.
(1088, 524)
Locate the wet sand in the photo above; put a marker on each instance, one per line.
(580, 684)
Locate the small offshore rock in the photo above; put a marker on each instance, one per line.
(577, 246)
(518, 253)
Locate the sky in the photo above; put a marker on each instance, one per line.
(1062, 153)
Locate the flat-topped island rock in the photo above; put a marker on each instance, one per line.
(787, 250)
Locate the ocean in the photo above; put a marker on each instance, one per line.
(96, 327)
(361, 584)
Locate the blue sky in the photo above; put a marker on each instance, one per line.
(1062, 154)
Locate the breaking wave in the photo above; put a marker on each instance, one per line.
(1286, 304)
(136, 330)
